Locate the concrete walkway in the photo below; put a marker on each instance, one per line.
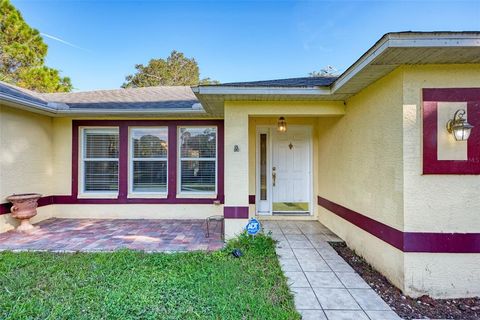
(324, 285)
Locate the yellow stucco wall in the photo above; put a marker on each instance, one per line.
(437, 203)
(433, 203)
(25, 159)
(370, 161)
(360, 167)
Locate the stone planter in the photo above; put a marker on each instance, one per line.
(24, 207)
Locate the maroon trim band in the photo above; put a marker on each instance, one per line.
(407, 241)
(235, 212)
(48, 200)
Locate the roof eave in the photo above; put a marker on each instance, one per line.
(228, 90)
(407, 40)
(27, 105)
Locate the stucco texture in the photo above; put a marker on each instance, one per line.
(437, 203)
(25, 159)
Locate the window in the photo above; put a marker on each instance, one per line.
(148, 160)
(198, 159)
(100, 160)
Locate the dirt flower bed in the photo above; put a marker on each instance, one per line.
(421, 308)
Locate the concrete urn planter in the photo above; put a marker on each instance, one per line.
(24, 207)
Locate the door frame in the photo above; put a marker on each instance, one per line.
(270, 130)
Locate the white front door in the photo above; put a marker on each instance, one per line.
(291, 170)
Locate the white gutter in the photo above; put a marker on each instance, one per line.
(129, 111)
(228, 90)
(58, 110)
(27, 105)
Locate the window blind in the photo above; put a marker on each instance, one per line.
(198, 160)
(149, 165)
(100, 160)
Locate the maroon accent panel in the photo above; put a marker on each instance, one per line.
(172, 162)
(123, 161)
(235, 212)
(428, 242)
(431, 164)
(75, 151)
(5, 208)
(251, 199)
(382, 231)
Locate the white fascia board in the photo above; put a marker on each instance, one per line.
(406, 41)
(227, 90)
(130, 111)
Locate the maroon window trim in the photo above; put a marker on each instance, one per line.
(431, 164)
(123, 126)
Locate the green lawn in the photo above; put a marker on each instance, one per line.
(136, 285)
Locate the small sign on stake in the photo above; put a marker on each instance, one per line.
(253, 227)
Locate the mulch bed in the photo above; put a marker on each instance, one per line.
(423, 307)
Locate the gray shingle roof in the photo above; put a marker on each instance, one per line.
(174, 97)
(170, 97)
(290, 82)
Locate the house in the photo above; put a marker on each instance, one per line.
(367, 154)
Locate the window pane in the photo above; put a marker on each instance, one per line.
(198, 176)
(150, 176)
(150, 142)
(101, 175)
(198, 142)
(101, 143)
(263, 166)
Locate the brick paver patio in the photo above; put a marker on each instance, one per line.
(109, 235)
(324, 285)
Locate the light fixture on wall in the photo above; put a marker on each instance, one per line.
(458, 126)
(282, 125)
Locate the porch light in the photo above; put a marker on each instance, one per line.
(459, 126)
(282, 125)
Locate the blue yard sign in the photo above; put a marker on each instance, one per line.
(253, 227)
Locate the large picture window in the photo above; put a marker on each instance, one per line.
(100, 160)
(148, 160)
(198, 159)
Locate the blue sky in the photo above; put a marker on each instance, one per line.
(231, 40)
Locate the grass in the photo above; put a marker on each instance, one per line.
(136, 285)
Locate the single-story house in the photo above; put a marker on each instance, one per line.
(367, 153)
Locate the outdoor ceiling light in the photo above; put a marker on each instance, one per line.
(459, 126)
(282, 125)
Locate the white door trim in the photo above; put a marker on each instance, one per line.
(270, 131)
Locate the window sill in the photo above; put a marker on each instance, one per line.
(98, 196)
(147, 196)
(196, 196)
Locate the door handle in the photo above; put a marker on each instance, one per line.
(274, 176)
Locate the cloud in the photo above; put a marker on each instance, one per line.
(46, 35)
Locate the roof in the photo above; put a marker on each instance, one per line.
(170, 97)
(152, 99)
(388, 53)
(289, 82)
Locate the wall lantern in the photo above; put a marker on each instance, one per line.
(459, 126)
(282, 125)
